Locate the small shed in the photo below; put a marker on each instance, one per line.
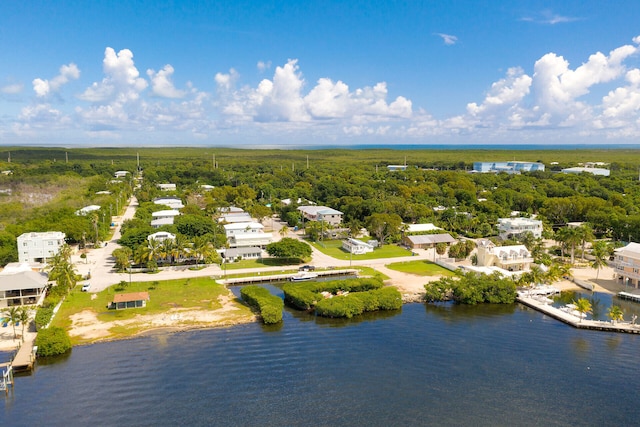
(130, 300)
(426, 241)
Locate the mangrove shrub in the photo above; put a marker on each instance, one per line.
(52, 341)
(270, 306)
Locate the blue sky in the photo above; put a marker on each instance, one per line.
(287, 73)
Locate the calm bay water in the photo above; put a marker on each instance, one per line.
(426, 365)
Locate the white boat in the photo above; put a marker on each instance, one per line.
(300, 277)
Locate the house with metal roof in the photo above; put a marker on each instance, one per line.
(322, 214)
(21, 287)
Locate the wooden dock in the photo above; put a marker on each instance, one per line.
(628, 296)
(237, 281)
(570, 319)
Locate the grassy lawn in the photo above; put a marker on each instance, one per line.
(333, 248)
(420, 268)
(195, 293)
(259, 263)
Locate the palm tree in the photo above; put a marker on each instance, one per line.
(570, 237)
(61, 270)
(616, 314)
(147, 254)
(583, 306)
(13, 316)
(600, 252)
(586, 235)
(23, 317)
(202, 248)
(284, 231)
(179, 248)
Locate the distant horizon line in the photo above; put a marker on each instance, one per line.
(370, 146)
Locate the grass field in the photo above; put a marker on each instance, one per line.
(333, 248)
(195, 293)
(421, 268)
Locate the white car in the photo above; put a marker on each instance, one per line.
(85, 287)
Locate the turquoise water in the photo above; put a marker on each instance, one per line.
(426, 365)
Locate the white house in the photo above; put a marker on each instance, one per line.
(39, 247)
(161, 236)
(233, 254)
(509, 228)
(356, 247)
(510, 258)
(88, 209)
(157, 223)
(168, 213)
(627, 264)
(21, 286)
(243, 240)
(508, 167)
(395, 168)
(243, 227)
(236, 217)
(167, 187)
(172, 202)
(121, 174)
(207, 187)
(322, 214)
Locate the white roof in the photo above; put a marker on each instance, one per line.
(632, 250)
(165, 213)
(323, 210)
(87, 209)
(23, 280)
(51, 235)
(419, 228)
(161, 235)
(243, 226)
(162, 221)
(252, 236)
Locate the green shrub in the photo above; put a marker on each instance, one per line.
(300, 296)
(270, 306)
(53, 341)
(43, 316)
(369, 300)
(388, 298)
(343, 306)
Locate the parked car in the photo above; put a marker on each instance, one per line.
(307, 268)
(86, 287)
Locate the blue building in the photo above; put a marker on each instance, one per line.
(508, 167)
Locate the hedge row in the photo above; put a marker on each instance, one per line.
(357, 303)
(304, 296)
(270, 306)
(52, 341)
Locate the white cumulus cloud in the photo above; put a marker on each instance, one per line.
(43, 87)
(161, 84)
(122, 80)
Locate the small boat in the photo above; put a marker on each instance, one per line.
(301, 277)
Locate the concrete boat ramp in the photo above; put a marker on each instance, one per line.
(541, 304)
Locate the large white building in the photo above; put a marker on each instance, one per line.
(509, 258)
(627, 264)
(591, 170)
(322, 214)
(39, 247)
(514, 228)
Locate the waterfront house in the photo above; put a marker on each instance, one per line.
(321, 214)
(20, 285)
(627, 264)
(130, 300)
(39, 247)
(510, 258)
(426, 241)
(515, 228)
(356, 247)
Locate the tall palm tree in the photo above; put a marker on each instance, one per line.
(202, 248)
(600, 252)
(585, 233)
(12, 315)
(179, 248)
(570, 236)
(146, 254)
(61, 270)
(284, 231)
(615, 313)
(23, 317)
(583, 306)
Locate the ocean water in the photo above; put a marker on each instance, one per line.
(424, 365)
